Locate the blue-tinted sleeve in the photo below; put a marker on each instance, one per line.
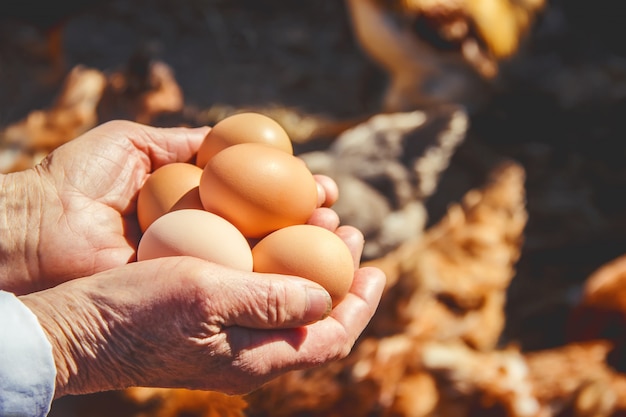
(27, 370)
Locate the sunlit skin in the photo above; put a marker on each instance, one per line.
(76, 210)
(69, 238)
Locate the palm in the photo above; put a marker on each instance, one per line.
(88, 188)
(84, 229)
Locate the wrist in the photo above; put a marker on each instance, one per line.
(20, 203)
(81, 334)
(92, 348)
(59, 336)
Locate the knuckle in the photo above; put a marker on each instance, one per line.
(276, 303)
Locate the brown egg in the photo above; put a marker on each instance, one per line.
(163, 188)
(258, 188)
(196, 233)
(308, 251)
(243, 128)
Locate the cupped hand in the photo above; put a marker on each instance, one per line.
(183, 322)
(73, 215)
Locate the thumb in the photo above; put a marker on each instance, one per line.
(165, 145)
(266, 301)
(162, 145)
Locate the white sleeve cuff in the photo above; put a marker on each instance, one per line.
(27, 370)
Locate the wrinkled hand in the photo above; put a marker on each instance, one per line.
(74, 214)
(170, 322)
(183, 322)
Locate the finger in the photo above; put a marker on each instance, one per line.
(175, 144)
(329, 190)
(324, 217)
(321, 195)
(358, 307)
(161, 145)
(270, 301)
(240, 298)
(321, 342)
(355, 241)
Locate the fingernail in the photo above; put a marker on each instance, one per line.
(321, 195)
(319, 304)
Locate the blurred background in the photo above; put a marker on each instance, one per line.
(505, 295)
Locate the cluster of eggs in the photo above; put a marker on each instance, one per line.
(244, 204)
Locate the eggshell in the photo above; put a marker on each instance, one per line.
(196, 233)
(308, 251)
(258, 188)
(243, 128)
(163, 188)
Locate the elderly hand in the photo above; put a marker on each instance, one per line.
(69, 230)
(74, 214)
(183, 322)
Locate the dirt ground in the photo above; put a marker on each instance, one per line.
(558, 109)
